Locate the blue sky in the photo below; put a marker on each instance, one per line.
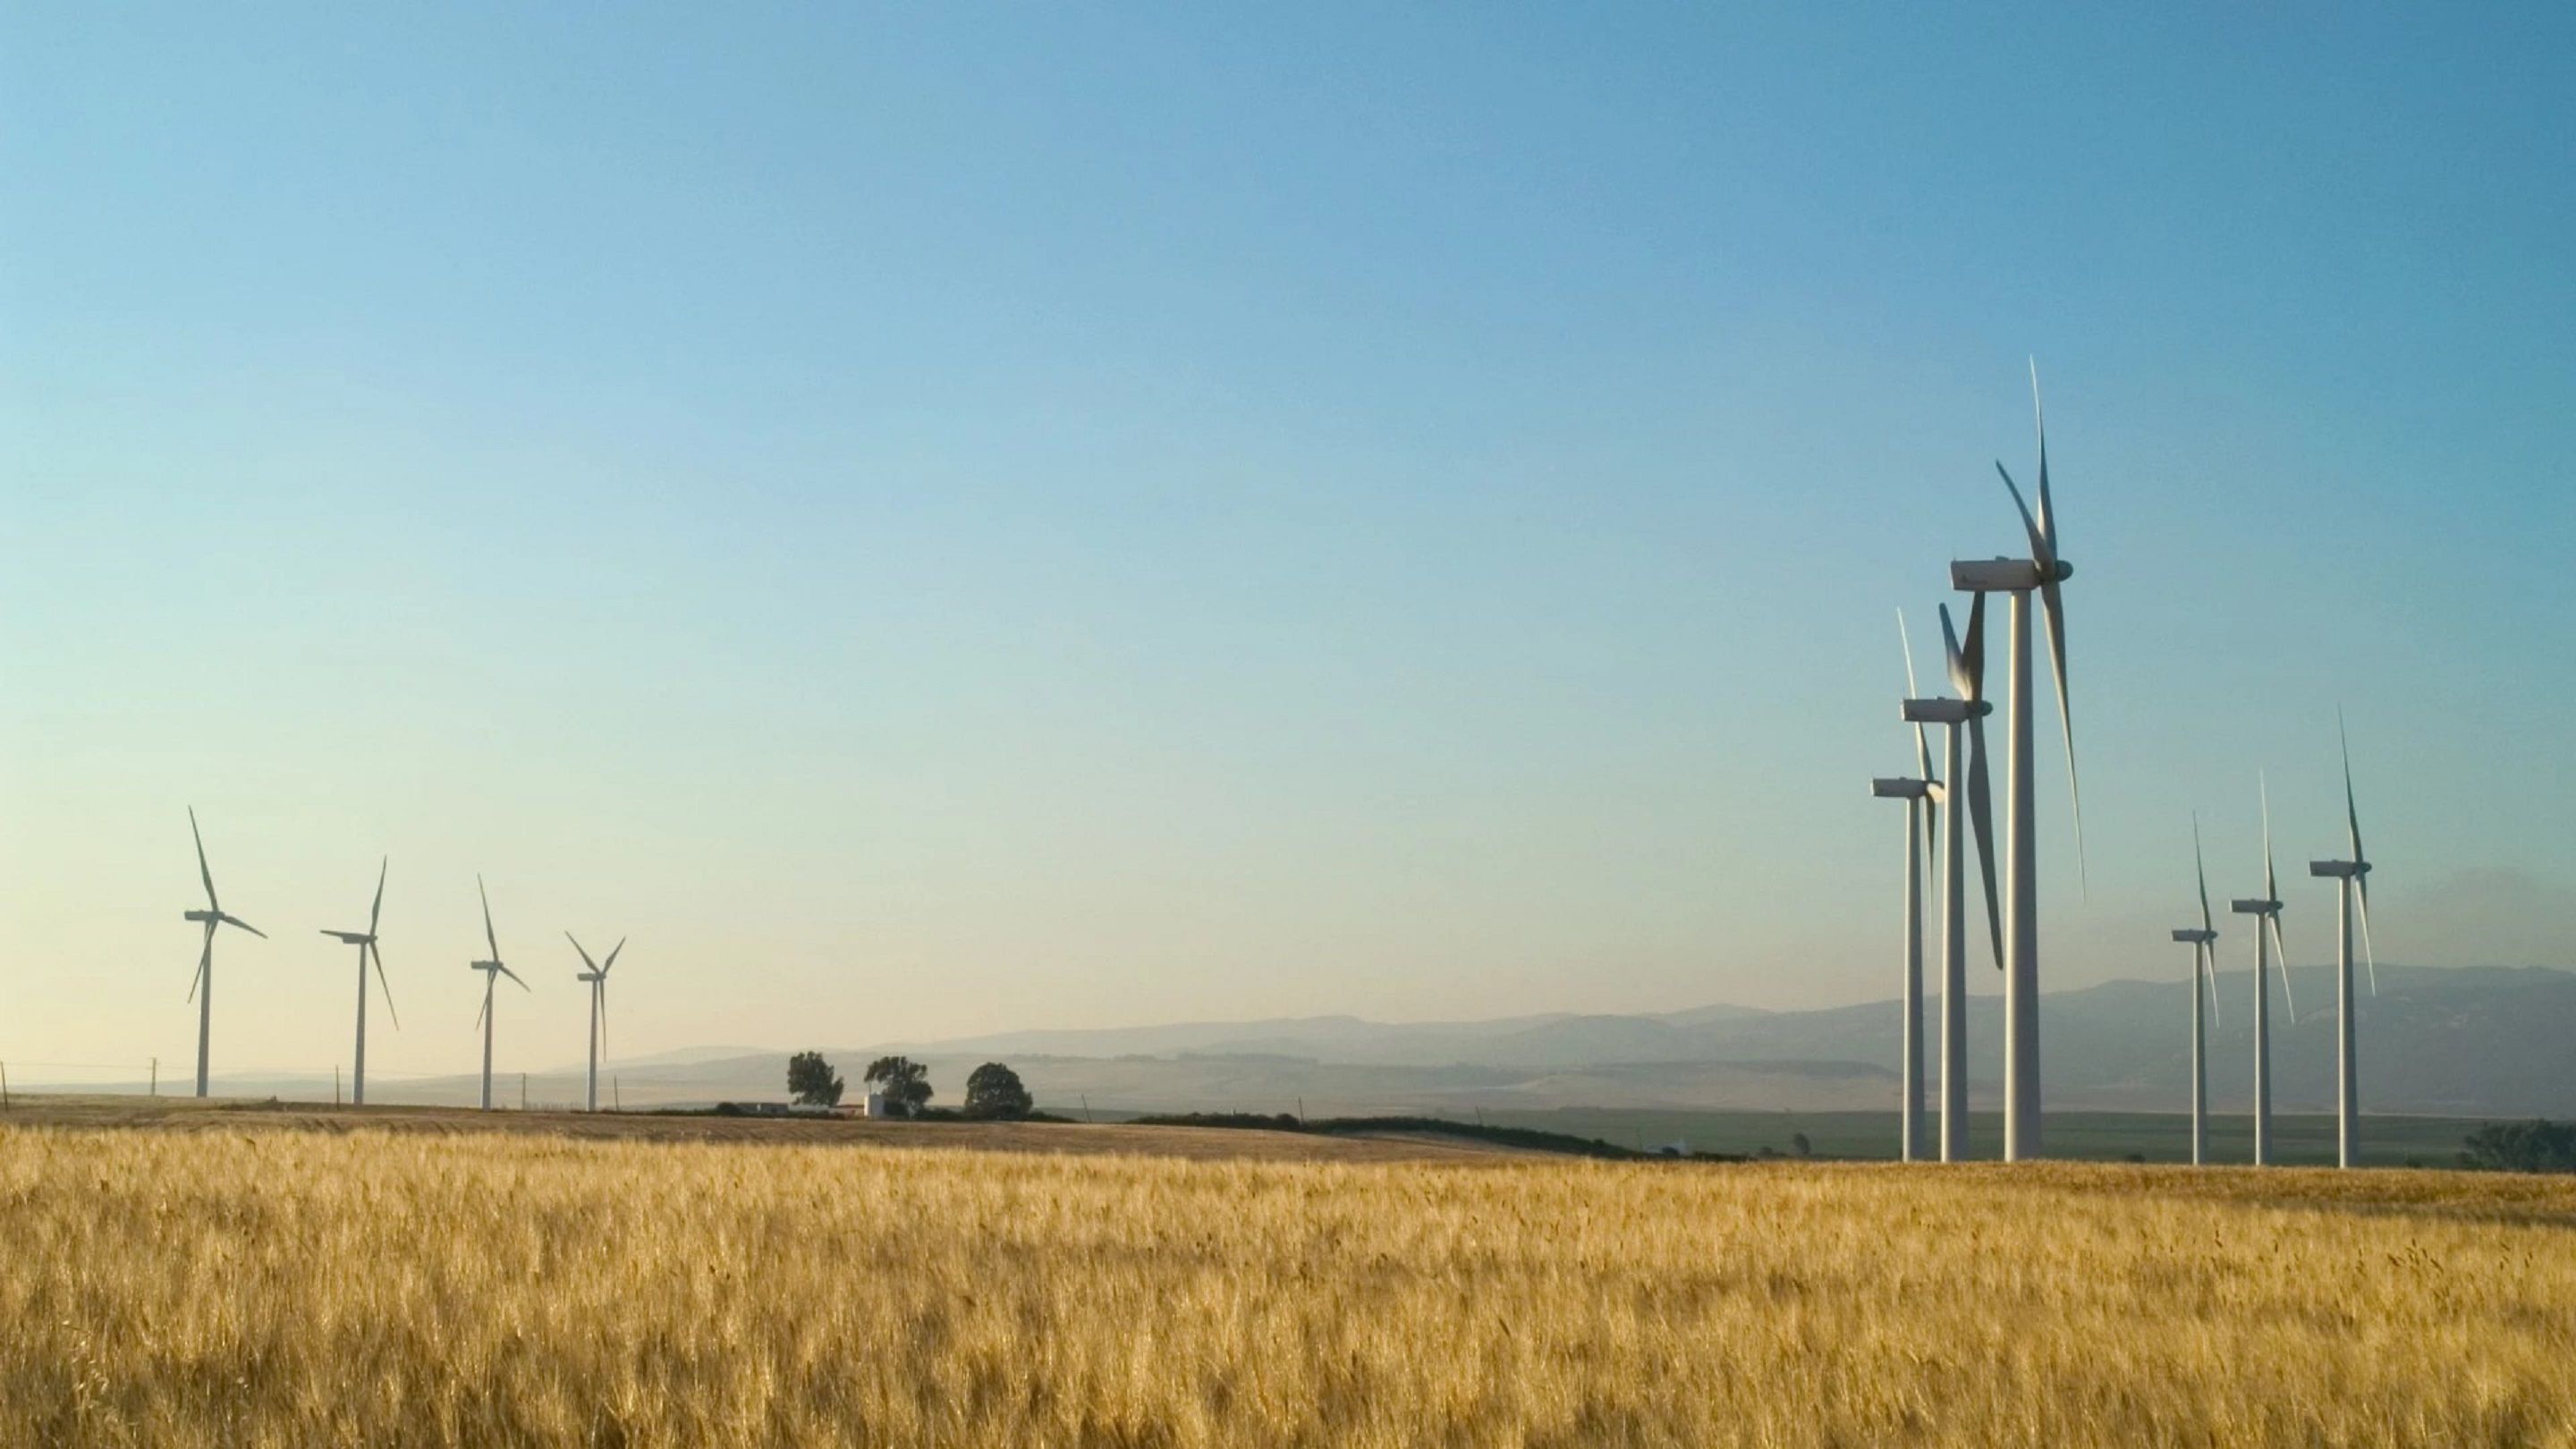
(964, 517)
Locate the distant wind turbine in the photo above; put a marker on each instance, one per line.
(1918, 796)
(365, 941)
(1967, 669)
(2204, 975)
(2042, 573)
(201, 987)
(2267, 943)
(2351, 876)
(597, 976)
(493, 971)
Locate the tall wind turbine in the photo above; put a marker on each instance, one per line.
(365, 941)
(1918, 796)
(1967, 676)
(492, 971)
(2267, 943)
(2351, 876)
(201, 987)
(2204, 969)
(2041, 573)
(597, 976)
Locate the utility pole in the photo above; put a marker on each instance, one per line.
(617, 1099)
(335, 1084)
(4, 1086)
(156, 1076)
(523, 1091)
(1086, 1106)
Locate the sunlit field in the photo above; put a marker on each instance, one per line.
(297, 1287)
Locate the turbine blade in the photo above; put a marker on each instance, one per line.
(2281, 954)
(2047, 506)
(379, 958)
(245, 925)
(1981, 822)
(2361, 889)
(376, 911)
(1973, 662)
(585, 955)
(2053, 613)
(1922, 743)
(487, 1000)
(489, 939)
(205, 961)
(2200, 868)
(203, 873)
(2271, 884)
(513, 975)
(2209, 970)
(2040, 553)
(602, 988)
(612, 957)
(1956, 663)
(2352, 823)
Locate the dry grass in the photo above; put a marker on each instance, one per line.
(308, 1288)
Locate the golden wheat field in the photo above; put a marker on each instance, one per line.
(296, 1287)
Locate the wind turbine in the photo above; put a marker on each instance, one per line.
(365, 941)
(2267, 943)
(1918, 796)
(492, 971)
(1967, 676)
(2352, 879)
(597, 976)
(2042, 573)
(2204, 967)
(201, 987)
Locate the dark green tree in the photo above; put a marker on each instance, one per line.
(2534, 1146)
(905, 1082)
(811, 1080)
(994, 1091)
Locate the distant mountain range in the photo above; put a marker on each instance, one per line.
(2474, 1042)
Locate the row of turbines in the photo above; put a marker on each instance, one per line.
(2012, 913)
(201, 988)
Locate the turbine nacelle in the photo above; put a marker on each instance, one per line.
(2248, 907)
(2196, 936)
(1901, 789)
(350, 938)
(1944, 711)
(2339, 869)
(2006, 575)
(209, 917)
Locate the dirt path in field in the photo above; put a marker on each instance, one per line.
(1206, 1143)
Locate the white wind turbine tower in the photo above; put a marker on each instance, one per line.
(2267, 943)
(597, 976)
(201, 987)
(2352, 879)
(2204, 968)
(365, 941)
(1918, 796)
(2042, 572)
(492, 971)
(1968, 711)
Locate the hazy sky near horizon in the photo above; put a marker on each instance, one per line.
(948, 518)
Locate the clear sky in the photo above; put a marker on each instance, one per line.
(954, 517)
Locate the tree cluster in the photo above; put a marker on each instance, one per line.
(2534, 1146)
(994, 1092)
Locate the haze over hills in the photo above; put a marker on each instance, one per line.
(2466, 1042)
